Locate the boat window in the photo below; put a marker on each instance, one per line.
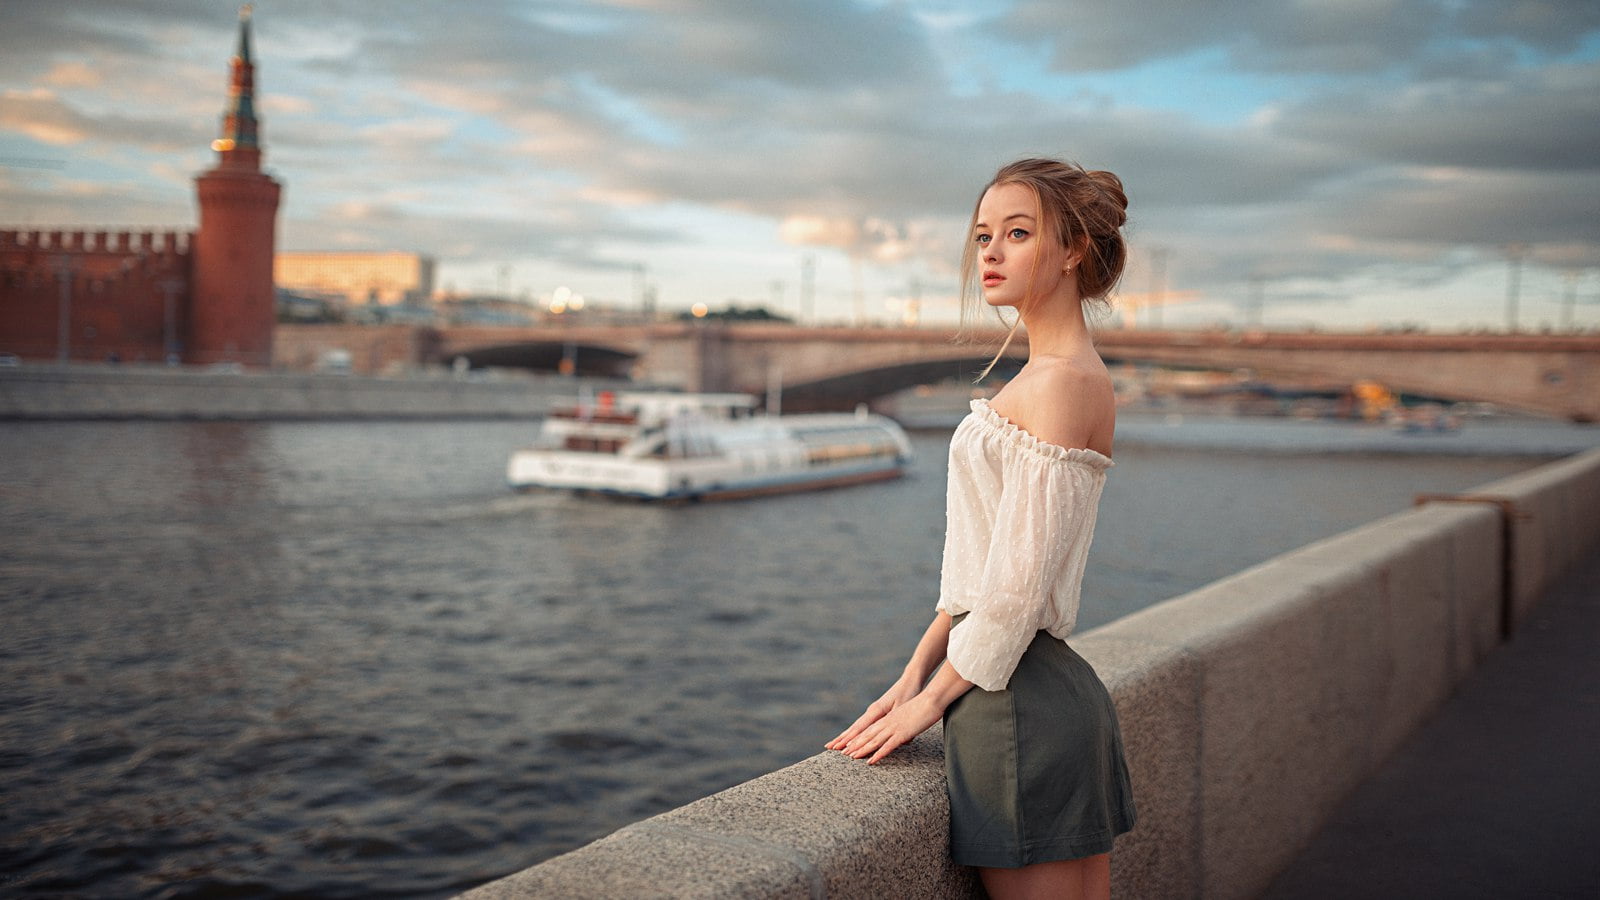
(585, 444)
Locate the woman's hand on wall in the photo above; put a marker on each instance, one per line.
(898, 693)
(903, 723)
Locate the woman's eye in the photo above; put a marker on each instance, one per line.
(982, 239)
(1018, 234)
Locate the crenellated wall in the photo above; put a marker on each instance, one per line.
(121, 294)
(1250, 707)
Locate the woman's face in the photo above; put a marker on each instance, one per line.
(1013, 261)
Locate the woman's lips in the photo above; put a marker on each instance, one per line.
(990, 279)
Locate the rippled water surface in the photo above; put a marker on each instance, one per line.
(341, 660)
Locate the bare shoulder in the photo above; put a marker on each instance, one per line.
(1067, 401)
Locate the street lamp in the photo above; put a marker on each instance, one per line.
(64, 269)
(169, 323)
(1513, 284)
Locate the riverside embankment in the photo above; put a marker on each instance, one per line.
(1251, 707)
(132, 392)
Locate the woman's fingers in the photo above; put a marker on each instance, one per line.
(889, 732)
(874, 713)
(845, 735)
(888, 747)
(868, 740)
(851, 745)
(881, 744)
(861, 746)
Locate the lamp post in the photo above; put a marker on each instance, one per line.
(1513, 285)
(1254, 306)
(808, 288)
(1158, 284)
(169, 322)
(64, 269)
(1569, 298)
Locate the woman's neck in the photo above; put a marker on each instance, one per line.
(1055, 326)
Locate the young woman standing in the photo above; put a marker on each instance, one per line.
(1033, 755)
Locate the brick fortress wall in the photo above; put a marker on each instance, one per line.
(125, 294)
(203, 297)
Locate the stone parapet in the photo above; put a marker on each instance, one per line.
(1249, 707)
(1554, 514)
(155, 392)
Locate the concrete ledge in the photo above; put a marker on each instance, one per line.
(1249, 708)
(823, 827)
(1556, 518)
(1310, 668)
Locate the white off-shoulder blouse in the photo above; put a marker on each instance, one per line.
(1019, 520)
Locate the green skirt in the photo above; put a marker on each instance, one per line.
(1036, 771)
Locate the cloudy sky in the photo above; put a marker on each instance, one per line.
(1351, 163)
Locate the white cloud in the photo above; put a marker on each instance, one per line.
(73, 74)
(1393, 133)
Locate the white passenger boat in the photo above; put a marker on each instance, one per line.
(674, 446)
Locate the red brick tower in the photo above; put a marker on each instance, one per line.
(231, 311)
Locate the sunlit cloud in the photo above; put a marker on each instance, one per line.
(72, 74)
(1337, 148)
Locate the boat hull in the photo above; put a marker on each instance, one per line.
(669, 481)
(667, 446)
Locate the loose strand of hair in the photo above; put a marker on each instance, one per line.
(1004, 346)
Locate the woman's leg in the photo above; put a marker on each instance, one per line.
(1097, 877)
(1070, 879)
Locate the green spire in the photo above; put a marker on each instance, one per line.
(239, 141)
(244, 32)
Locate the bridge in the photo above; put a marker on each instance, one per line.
(837, 367)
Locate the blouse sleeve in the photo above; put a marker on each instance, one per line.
(1042, 499)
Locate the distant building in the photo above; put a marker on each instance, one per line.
(203, 296)
(485, 311)
(381, 279)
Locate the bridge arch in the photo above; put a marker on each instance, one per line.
(550, 356)
(844, 389)
(1549, 374)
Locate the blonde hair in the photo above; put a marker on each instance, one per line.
(1083, 210)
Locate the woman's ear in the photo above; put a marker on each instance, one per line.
(1075, 254)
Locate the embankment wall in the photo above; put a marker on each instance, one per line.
(138, 392)
(1250, 707)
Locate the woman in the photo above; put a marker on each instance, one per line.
(1033, 756)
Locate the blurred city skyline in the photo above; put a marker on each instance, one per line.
(1344, 165)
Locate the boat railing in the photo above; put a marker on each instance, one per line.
(582, 443)
(601, 417)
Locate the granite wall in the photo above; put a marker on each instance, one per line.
(1250, 707)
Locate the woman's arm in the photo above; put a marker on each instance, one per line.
(930, 650)
(909, 719)
(927, 656)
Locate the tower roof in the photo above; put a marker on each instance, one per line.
(239, 143)
(244, 33)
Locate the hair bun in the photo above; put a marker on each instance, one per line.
(1111, 186)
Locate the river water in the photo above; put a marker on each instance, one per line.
(341, 660)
